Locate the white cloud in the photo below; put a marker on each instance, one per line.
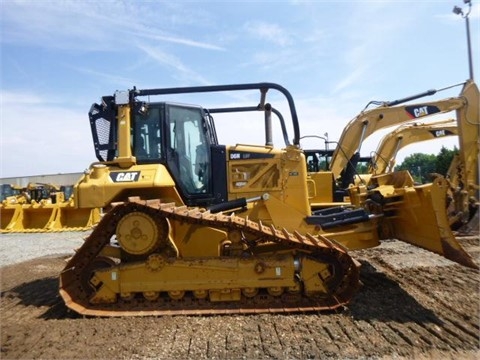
(349, 80)
(115, 79)
(333, 56)
(90, 25)
(40, 136)
(183, 41)
(269, 32)
(173, 62)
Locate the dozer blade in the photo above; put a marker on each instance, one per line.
(421, 219)
(9, 214)
(32, 218)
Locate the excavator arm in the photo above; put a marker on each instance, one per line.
(469, 140)
(384, 159)
(386, 115)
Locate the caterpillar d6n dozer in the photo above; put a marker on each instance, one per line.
(196, 227)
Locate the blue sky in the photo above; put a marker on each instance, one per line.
(58, 57)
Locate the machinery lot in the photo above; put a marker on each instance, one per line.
(412, 304)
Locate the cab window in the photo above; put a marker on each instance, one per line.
(146, 138)
(189, 148)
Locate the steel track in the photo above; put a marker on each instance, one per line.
(317, 247)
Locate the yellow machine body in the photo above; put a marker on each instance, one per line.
(194, 227)
(462, 177)
(389, 114)
(43, 208)
(393, 142)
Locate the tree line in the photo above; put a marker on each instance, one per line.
(422, 165)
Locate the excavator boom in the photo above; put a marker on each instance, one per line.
(384, 158)
(385, 115)
(469, 140)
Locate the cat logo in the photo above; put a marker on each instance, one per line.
(421, 110)
(441, 133)
(127, 176)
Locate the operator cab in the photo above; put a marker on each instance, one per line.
(181, 137)
(176, 135)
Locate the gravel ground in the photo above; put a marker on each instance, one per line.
(413, 305)
(15, 248)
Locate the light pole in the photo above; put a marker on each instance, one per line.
(457, 10)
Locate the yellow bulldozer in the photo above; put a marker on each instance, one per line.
(461, 208)
(40, 207)
(197, 227)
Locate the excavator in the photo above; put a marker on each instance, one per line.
(390, 113)
(462, 176)
(344, 158)
(383, 160)
(461, 206)
(40, 207)
(463, 203)
(197, 227)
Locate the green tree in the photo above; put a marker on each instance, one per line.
(420, 166)
(444, 158)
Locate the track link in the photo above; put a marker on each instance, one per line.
(318, 248)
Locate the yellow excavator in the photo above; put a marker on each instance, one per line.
(384, 157)
(462, 176)
(342, 161)
(40, 207)
(463, 202)
(197, 227)
(462, 179)
(461, 208)
(382, 161)
(390, 113)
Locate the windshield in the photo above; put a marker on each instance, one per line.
(146, 136)
(189, 148)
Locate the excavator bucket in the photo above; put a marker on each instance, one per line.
(417, 214)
